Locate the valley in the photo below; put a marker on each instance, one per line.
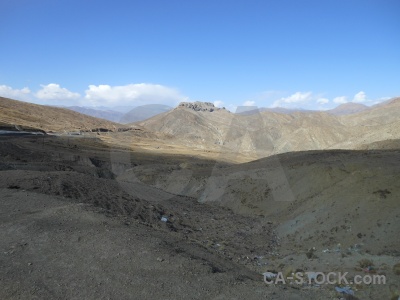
(195, 204)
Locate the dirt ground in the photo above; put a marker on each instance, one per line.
(80, 220)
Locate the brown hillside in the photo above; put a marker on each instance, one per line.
(48, 118)
(266, 133)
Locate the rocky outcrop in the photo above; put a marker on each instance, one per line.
(200, 106)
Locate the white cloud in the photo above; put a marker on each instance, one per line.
(101, 95)
(360, 97)
(293, 100)
(232, 108)
(9, 92)
(298, 97)
(322, 101)
(340, 100)
(249, 103)
(55, 92)
(132, 94)
(219, 103)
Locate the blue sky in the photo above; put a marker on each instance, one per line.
(310, 54)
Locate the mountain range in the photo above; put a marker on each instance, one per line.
(265, 133)
(208, 130)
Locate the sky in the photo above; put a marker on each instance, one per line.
(288, 53)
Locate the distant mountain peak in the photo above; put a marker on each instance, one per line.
(351, 104)
(108, 114)
(348, 108)
(144, 112)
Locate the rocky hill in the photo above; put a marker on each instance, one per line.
(200, 106)
(49, 118)
(202, 126)
(348, 109)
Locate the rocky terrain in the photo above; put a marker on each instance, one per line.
(198, 203)
(200, 106)
(85, 220)
(266, 133)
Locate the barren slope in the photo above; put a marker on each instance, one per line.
(48, 118)
(83, 220)
(262, 134)
(69, 230)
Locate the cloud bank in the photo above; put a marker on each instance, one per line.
(97, 95)
(295, 100)
(147, 93)
(360, 97)
(53, 91)
(340, 100)
(311, 100)
(219, 103)
(132, 94)
(322, 101)
(9, 92)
